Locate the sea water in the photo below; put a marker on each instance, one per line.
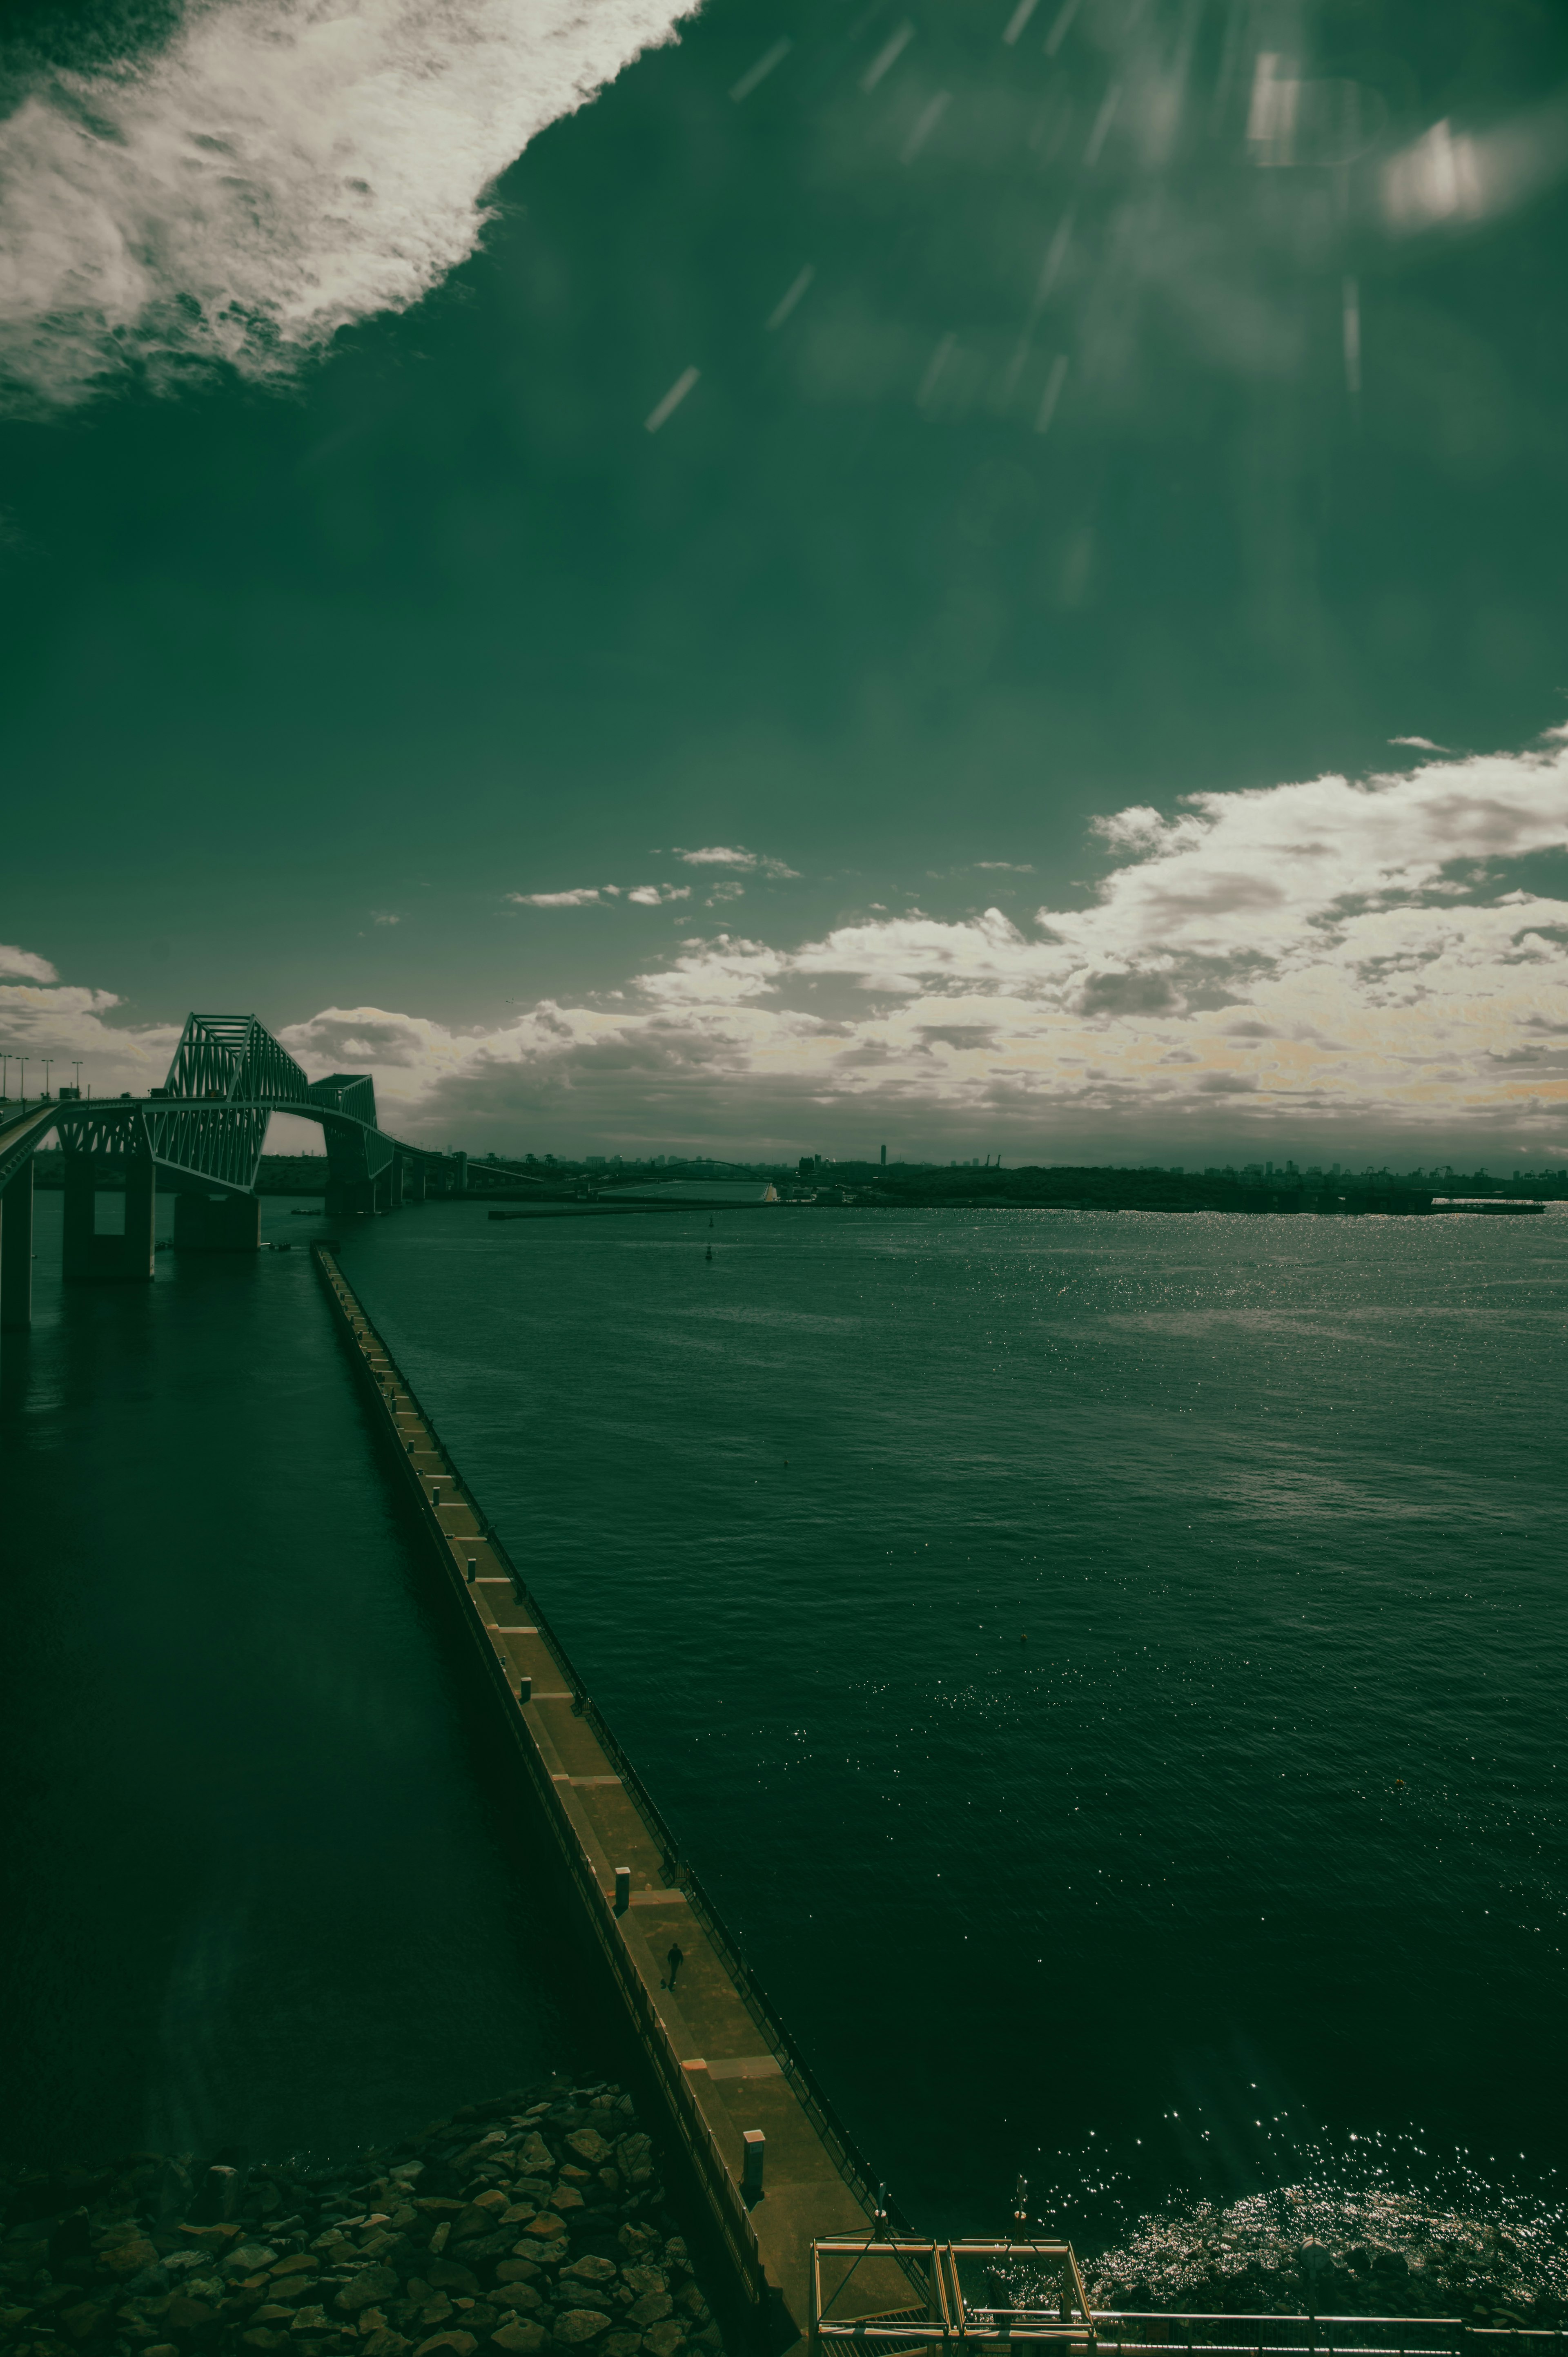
(1108, 1669)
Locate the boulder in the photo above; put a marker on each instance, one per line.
(462, 2344)
(639, 2279)
(589, 2146)
(516, 2271)
(185, 2313)
(370, 2284)
(663, 2340)
(519, 2340)
(310, 2319)
(446, 2275)
(565, 2197)
(128, 2258)
(651, 2309)
(589, 2268)
(581, 2324)
(516, 2295)
(534, 2155)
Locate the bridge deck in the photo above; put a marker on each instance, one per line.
(719, 2056)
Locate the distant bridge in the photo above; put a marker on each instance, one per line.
(201, 1136)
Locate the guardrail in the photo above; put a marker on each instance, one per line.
(1059, 2314)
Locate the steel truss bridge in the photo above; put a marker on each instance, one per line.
(201, 1138)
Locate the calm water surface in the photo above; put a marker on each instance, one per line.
(1256, 1842)
(253, 1885)
(1109, 1669)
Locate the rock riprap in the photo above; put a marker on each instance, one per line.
(534, 2222)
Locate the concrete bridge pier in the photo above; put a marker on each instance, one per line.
(16, 1252)
(217, 1223)
(122, 1258)
(413, 1184)
(351, 1199)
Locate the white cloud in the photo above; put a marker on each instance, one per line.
(1356, 952)
(278, 170)
(24, 963)
(384, 917)
(655, 896)
(1007, 867)
(1421, 744)
(1378, 958)
(583, 895)
(722, 855)
(68, 1021)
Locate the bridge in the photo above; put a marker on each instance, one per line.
(200, 1138)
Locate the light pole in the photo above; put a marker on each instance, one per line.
(23, 1061)
(76, 1067)
(4, 1076)
(46, 1062)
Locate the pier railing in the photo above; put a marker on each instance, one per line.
(950, 2319)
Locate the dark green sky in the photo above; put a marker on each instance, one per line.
(434, 619)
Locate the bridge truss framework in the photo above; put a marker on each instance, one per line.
(201, 1137)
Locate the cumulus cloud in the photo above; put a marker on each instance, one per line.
(723, 855)
(582, 896)
(66, 1021)
(1332, 951)
(24, 963)
(1373, 956)
(277, 170)
(597, 896)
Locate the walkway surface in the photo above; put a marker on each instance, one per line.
(718, 2038)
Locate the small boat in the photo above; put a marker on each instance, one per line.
(710, 1252)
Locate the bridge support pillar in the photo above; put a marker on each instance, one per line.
(222, 1223)
(351, 1199)
(16, 1252)
(125, 1258)
(395, 1175)
(382, 1190)
(413, 1182)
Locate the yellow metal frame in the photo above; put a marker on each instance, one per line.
(948, 2315)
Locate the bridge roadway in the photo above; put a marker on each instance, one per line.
(725, 2067)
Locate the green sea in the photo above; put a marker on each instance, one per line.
(1108, 1669)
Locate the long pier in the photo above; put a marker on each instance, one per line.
(775, 2168)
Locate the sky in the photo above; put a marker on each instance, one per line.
(795, 575)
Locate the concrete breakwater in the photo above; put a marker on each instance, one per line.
(769, 2163)
(536, 2223)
